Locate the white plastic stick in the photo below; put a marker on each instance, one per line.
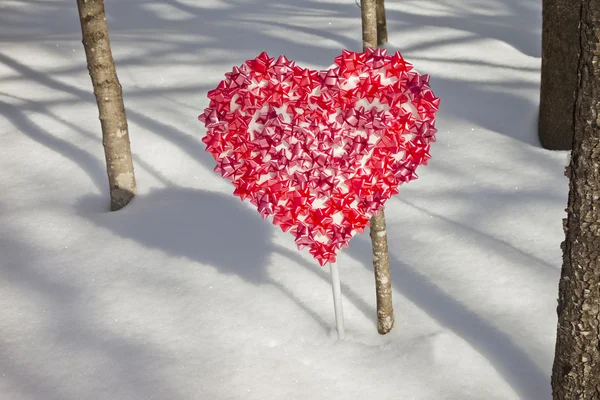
(337, 300)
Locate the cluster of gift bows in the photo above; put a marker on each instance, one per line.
(321, 152)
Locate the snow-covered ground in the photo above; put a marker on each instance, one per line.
(187, 294)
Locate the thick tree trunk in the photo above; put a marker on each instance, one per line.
(109, 96)
(560, 54)
(381, 259)
(576, 370)
(382, 36)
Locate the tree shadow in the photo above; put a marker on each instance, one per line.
(86, 161)
(189, 144)
(508, 250)
(490, 106)
(518, 369)
(515, 22)
(65, 331)
(211, 229)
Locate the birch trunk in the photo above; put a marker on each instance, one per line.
(369, 24)
(383, 280)
(382, 36)
(381, 259)
(109, 97)
(576, 370)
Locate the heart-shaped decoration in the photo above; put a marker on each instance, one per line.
(321, 152)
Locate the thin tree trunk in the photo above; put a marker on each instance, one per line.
(109, 97)
(576, 370)
(382, 36)
(381, 259)
(560, 54)
(369, 24)
(383, 280)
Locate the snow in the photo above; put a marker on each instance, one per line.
(187, 294)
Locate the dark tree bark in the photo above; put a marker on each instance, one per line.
(576, 370)
(560, 54)
(381, 260)
(109, 97)
(382, 36)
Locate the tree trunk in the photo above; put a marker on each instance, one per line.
(381, 259)
(382, 36)
(369, 24)
(383, 280)
(109, 97)
(560, 54)
(576, 370)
